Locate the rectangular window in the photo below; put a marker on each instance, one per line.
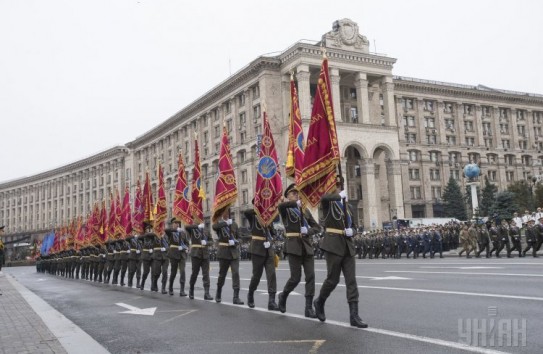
(415, 192)
(414, 174)
(436, 192)
(470, 141)
(244, 176)
(448, 107)
(408, 103)
(411, 138)
(505, 143)
(431, 139)
(429, 122)
(451, 140)
(435, 174)
(413, 155)
(354, 115)
(488, 142)
(352, 93)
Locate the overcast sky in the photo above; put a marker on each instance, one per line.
(78, 77)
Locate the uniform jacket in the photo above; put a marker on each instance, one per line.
(334, 240)
(178, 242)
(259, 235)
(291, 217)
(225, 233)
(196, 237)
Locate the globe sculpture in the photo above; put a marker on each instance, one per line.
(472, 171)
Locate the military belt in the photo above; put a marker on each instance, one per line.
(123, 251)
(224, 244)
(292, 234)
(145, 250)
(157, 248)
(196, 246)
(174, 246)
(110, 253)
(335, 231)
(134, 249)
(259, 238)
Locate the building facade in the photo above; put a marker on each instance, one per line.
(400, 138)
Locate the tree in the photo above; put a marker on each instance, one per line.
(538, 195)
(454, 201)
(505, 205)
(522, 195)
(488, 197)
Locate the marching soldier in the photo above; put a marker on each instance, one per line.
(465, 241)
(116, 261)
(503, 236)
(539, 237)
(146, 253)
(102, 260)
(531, 238)
(125, 254)
(199, 253)
(177, 252)
(110, 261)
(262, 257)
(228, 254)
(514, 232)
(160, 263)
(339, 229)
(299, 230)
(436, 243)
(494, 238)
(134, 260)
(483, 241)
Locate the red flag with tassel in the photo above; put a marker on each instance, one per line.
(226, 189)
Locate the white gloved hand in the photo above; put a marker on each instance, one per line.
(129, 250)
(303, 230)
(204, 242)
(229, 221)
(114, 251)
(180, 229)
(150, 250)
(349, 232)
(163, 249)
(231, 242)
(299, 203)
(138, 251)
(267, 244)
(201, 226)
(343, 194)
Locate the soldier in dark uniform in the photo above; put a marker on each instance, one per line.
(228, 253)
(85, 263)
(102, 259)
(134, 262)
(177, 253)
(262, 257)
(503, 235)
(125, 254)
(436, 241)
(299, 231)
(531, 237)
(160, 262)
(146, 253)
(199, 253)
(539, 237)
(483, 241)
(77, 267)
(116, 261)
(514, 232)
(110, 261)
(337, 242)
(494, 237)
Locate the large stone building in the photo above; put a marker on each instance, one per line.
(400, 138)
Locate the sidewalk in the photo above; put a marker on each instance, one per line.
(21, 329)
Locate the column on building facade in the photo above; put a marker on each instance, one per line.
(388, 101)
(420, 119)
(371, 208)
(440, 124)
(529, 126)
(513, 132)
(304, 93)
(478, 125)
(336, 94)
(495, 127)
(461, 127)
(395, 191)
(362, 98)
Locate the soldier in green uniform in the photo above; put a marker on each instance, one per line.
(483, 240)
(299, 231)
(116, 261)
(228, 253)
(531, 237)
(199, 253)
(146, 254)
(338, 244)
(110, 261)
(262, 257)
(514, 232)
(102, 260)
(160, 263)
(124, 255)
(177, 253)
(134, 261)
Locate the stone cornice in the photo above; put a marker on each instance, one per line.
(227, 87)
(117, 151)
(456, 91)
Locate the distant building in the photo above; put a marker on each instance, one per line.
(401, 138)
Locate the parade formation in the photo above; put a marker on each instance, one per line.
(116, 246)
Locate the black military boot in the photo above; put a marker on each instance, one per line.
(282, 301)
(171, 287)
(272, 306)
(237, 300)
(182, 290)
(137, 282)
(130, 281)
(142, 284)
(319, 308)
(191, 292)
(251, 298)
(164, 287)
(218, 294)
(207, 296)
(309, 312)
(122, 280)
(356, 321)
(154, 283)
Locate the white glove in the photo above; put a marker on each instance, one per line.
(138, 251)
(201, 226)
(180, 229)
(267, 244)
(343, 194)
(103, 255)
(203, 242)
(303, 230)
(349, 232)
(150, 250)
(299, 203)
(114, 251)
(229, 221)
(231, 242)
(163, 249)
(128, 250)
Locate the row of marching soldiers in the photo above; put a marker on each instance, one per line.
(497, 235)
(141, 255)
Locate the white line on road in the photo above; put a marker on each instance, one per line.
(475, 267)
(72, 338)
(463, 273)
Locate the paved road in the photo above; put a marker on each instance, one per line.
(412, 306)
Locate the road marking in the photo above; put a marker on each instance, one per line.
(133, 310)
(72, 337)
(186, 312)
(463, 273)
(462, 267)
(384, 278)
(317, 343)
(265, 292)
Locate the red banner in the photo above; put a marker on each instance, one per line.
(181, 202)
(119, 230)
(295, 153)
(126, 216)
(269, 186)
(161, 211)
(321, 151)
(198, 193)
(147, 200)
(138, 211)
(111, 221)
(103, 223)
(226, 189)
(95, 225)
